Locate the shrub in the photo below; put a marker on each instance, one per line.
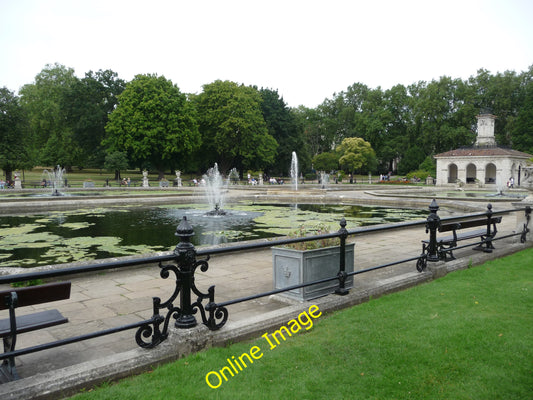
(319, 229)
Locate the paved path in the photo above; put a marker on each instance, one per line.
(105, 300)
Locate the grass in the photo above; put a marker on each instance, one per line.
(465, 336)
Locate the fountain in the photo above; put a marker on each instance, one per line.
(233, 176)
(56, 180)
(324, 179)
(294, 171)
(215, 191)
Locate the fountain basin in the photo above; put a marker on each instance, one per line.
(54, 237)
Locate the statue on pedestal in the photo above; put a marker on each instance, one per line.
(145, 179)
(18, 182)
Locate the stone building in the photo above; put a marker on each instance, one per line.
(483, 165)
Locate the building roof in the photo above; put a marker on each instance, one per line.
(484, 152)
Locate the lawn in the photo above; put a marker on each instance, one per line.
(466, 336)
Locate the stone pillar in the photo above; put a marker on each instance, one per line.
(485, 130)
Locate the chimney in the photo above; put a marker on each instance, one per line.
(485, 129)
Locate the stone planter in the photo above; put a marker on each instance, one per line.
(294, 267)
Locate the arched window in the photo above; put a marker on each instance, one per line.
(471, 173)
(452, 173)
(490, 173)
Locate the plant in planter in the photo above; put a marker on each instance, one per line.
(303, 231)
(310, 261)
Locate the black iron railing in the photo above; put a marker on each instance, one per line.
(185, 260)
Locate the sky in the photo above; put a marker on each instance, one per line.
(306, 50)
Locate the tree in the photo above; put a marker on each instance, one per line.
(282, 126)
(328, 161)
(522, 131)
(116, 161)
(356, 154)
(154, 123)
(443, 116)
(309, 122)
(412, 158)
(13, 132)
(52, 138)
(234, 132)
(87, 104)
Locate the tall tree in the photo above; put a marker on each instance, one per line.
(440, 122)
(87, 104)
(522, 132)
(13, 134)
(309, 121)
(282, 126)
(396, 139)
(154, 123)
(42, 100)
(500, 94)
(234, 132)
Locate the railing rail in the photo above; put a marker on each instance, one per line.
(183, 263)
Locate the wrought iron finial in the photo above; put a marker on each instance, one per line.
(184, 229)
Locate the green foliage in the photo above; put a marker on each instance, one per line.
(356, 154)
(154, 123)
(14, 141)
(52, 137)
(87, 104)
(522, 131)
(116, 161)
(420, 174)
(63, 119)
(328, 161)
(283, 127)
(233, 129)
(429, 164)
(412, 158)
(33, 282)
(318, 229)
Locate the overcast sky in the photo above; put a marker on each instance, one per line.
(307, 49)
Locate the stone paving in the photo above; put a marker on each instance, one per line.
(105, 300)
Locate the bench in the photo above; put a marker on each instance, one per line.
(446, 244)
(35, 184)
(13, 326)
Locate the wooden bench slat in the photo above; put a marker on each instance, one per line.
(32, 322)
(460, 236)
(28, 296)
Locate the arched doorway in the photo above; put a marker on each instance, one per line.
(490, 173)
(452, 173)
(471, 173)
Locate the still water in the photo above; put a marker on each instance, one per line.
(67, 236)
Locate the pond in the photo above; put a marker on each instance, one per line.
(80, 235)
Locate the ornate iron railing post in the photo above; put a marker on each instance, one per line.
(526, 230)
(186, 260)
(432, 225)
(488, 240)
(343, 234)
